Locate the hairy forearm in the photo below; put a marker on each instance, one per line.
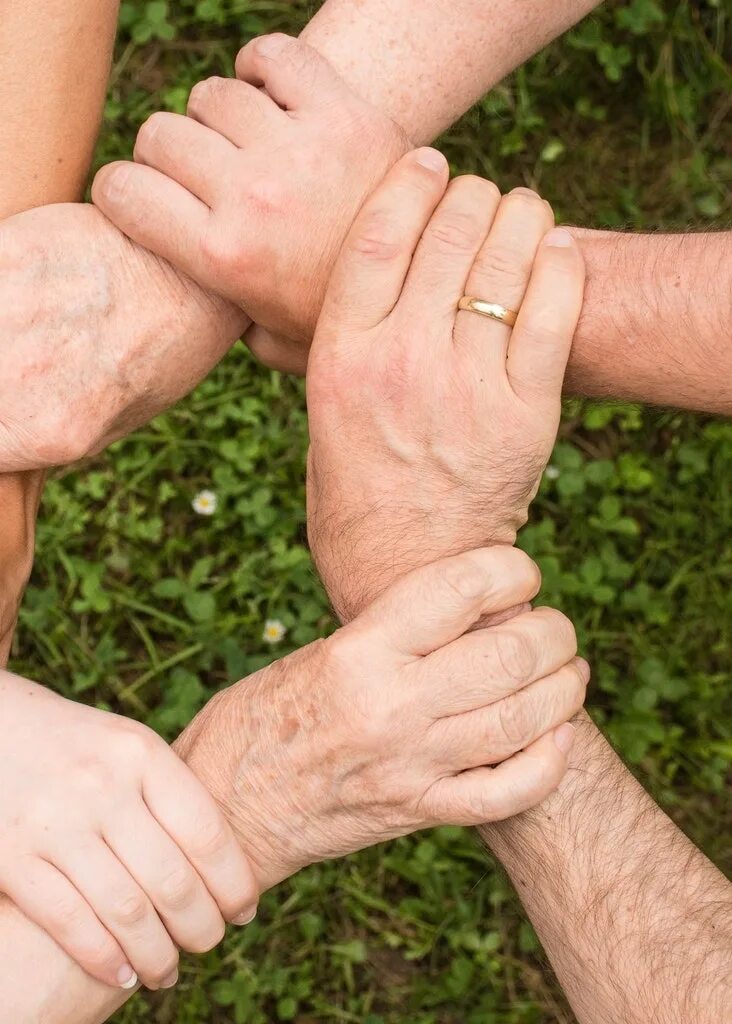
(426, 66)
(656, 324)
(636, 921)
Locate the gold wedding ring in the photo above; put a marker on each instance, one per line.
(490, 309)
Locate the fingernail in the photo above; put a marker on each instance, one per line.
(270, 46)
(430, 158)
(126, 977)
(246, 918)
(522, 191)
(170, 980)
(559, 237)
(584, 669)
(564, 737)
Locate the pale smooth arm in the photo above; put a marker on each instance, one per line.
(636, 921)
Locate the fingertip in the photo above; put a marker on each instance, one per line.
(272, 45)
(432, 160)
(127, 978)
(564, 738)
(111, 181)
(559, 238)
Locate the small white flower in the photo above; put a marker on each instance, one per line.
(205, 503)
(551, 472)
(274, 631)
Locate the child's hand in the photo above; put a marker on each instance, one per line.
(109, 842)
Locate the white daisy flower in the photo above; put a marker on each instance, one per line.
(274, 631)
(551, 472)
(205, 503)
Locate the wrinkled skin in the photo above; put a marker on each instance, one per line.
(97, 336)
(387, 726)
(430, 428)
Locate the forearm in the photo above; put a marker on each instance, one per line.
(656, 324)
(657, 315)
(636, 921)
(426, 67)
(53, 75)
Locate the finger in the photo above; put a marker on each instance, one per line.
(276, 351)
(501, 274)
(369, 273)
(493, 794)
(540, 343)
(174, 888)
(47, 897)
(450, 245)
(190, 816)
(234, 109)
(437, 603)
(488, 664)
(492, 734)
(124, 909)
(153, 211)
(293, 73)
(185, 151)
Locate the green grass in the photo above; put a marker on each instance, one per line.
(140, 605)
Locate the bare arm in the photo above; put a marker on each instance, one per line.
(52, 85)
(636, 921)
(655, 327)
(426, 65)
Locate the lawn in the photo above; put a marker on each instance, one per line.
(141, 605)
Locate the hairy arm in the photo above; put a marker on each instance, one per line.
(52, 87)
(636, 921)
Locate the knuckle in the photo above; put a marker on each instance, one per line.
(454, 232)
(130, 909)
(178, 888)
(514, 722)
(515, 655)
(66, 913)
(464, 579)
(150, 130)
(212, 837)
(502, 262)
(377, 239)
(205, 93)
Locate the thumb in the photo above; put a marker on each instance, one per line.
(434, 605)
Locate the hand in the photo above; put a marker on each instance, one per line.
(252, 193)
(108, 841)
(389, 725)
(430, 428)
(98, 336)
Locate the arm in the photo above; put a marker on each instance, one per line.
(407, 459)
(657, 309)
(426, 67)
(636, 921)
(52, 87)
(352, 741)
